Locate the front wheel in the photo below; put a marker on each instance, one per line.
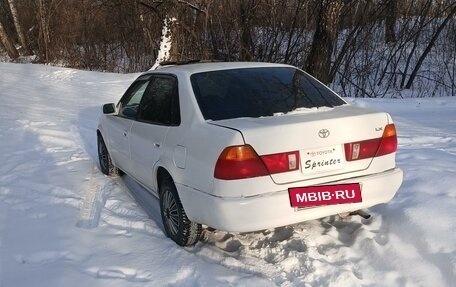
(175, 221)
(106, 165)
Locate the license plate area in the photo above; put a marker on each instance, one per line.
(322, 160)
(312, 196)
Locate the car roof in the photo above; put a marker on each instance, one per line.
(199, 67)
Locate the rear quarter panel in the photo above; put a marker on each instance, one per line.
(203, 144)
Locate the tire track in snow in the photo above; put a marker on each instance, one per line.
(93, 201)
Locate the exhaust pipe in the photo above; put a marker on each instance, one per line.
(361, 213)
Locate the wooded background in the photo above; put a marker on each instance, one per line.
(366, 48)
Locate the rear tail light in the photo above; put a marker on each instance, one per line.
(389, 141)
(238, 162)
(372, 148)
(281, 162)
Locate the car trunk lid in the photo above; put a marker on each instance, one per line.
(318, 135)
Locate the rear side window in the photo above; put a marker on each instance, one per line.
(160, 104)
(258, 92)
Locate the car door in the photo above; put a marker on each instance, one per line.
(158, 111)
(119, 125)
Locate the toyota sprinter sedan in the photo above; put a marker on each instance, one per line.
(244, 147)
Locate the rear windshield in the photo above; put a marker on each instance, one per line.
(258, 92)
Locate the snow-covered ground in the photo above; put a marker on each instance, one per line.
(63, 223)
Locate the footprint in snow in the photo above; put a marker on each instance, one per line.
(44, 257)
(114, 272)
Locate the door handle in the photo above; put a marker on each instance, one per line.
(125, 133)
(157, 145)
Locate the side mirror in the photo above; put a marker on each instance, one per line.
(109, 108)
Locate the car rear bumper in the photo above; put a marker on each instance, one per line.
(247, 214)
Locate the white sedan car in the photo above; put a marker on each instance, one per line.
(247, 146)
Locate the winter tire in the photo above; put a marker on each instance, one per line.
(176, 223)
(106, 165)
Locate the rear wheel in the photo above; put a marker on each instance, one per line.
(106, 165)
(175, 221)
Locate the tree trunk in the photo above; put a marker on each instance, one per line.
(246, 9)
(390, 21)
(319, 59)
(167, 44)
(8, 43)
(20, 33)
(44, 28)
(174, 50)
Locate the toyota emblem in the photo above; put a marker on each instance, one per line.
(323, 133)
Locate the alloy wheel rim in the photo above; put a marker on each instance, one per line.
(171, 212)
(103, 155)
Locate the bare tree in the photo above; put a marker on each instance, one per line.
(319, 59)
(8, 43)
(390, 21)
(246, 10)
(44, 28)
(20, 32)
(367, 48)
(451, 13)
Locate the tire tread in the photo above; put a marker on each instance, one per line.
(190, 232)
